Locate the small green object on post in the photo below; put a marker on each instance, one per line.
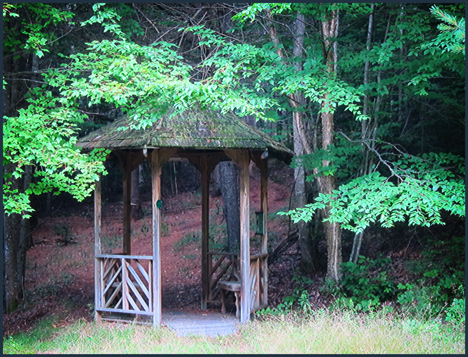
(159, 204)
(259, 223)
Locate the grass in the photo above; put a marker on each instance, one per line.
(321, 332)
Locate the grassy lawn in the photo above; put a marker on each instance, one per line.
(320, 332)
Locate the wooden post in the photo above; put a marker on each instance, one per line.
(156, 195)
(264, 240)
(205, 183)
(244, 160)
(124, 285)
(127, 209)
(97, 250)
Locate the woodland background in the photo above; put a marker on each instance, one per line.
(371, 98)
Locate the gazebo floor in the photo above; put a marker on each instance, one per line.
(186, 323)
(208, 324)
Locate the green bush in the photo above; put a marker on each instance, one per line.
(455, 313)
(300, 300)
(418, 300)
(440, 285)
(367, 280)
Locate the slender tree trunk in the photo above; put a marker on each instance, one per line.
(301, 144)
(300, 194)
(365, 167)
(11, 228)
(327, 184)
(11, 237)
(23, 236)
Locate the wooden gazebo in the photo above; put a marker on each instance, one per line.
(131, 284)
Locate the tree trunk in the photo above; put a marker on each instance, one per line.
(11, 238)
(137, 212)
(229, 177)
(365, 167)
(23, 236)
(327, 184)
(300, 197)
(11, 233)
(215, 185)
(301, 144)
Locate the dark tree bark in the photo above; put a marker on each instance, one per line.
(301, 143)
(229, 177)
(10, 253)
(23, 243)
(215, 185)
(327, 184)
(137, 212)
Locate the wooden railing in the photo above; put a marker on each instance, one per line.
(258, 282)
(125, 284)
(226, 268)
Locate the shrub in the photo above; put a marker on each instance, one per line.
(367, 280)
(441, 283)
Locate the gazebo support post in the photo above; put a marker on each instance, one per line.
(97, 249)
(156, 195)
(127, 209)
(244, 161)
(264, 239)
(205, 198)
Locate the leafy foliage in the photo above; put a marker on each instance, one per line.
(441, 279)
(45, 137)
(367, 279)
(452, 36)
(38, 35)
(422, 187)
(364, 286)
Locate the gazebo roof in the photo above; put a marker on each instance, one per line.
(193, 129)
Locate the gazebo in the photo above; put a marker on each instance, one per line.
(131, 284)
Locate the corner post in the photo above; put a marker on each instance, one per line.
(156, 195)
(245, 294)
(205, 183)
(264, 240)
(97, 250)
(127, 179)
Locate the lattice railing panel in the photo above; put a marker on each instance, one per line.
(226, 268)
(126, 284)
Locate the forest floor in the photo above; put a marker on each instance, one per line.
(60, 266)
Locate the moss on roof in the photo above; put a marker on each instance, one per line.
(193, 129)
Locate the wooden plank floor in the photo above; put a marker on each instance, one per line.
(186, 323)
(208, 324)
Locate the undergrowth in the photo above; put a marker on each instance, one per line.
(322, 331)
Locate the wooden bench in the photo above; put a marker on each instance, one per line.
(235, 287)
(233, 284)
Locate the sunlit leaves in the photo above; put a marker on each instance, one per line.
(38, 34)
(44, 137)
(421, 188)
(452, 36)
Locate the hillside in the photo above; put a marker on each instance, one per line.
(60, 265)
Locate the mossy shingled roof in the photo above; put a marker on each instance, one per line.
(193, 129)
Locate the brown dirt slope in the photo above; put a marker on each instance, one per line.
(60, 267)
